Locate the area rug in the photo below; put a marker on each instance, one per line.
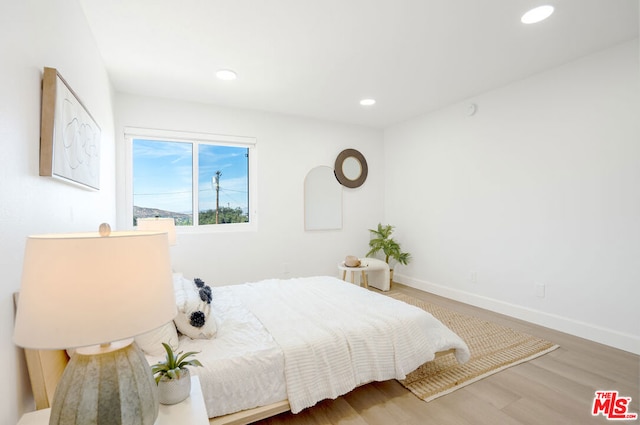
(493, 348)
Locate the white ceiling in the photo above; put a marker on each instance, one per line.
(318, 58)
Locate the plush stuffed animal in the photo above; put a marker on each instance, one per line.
(193, 300)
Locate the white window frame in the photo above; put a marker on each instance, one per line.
(132, 133)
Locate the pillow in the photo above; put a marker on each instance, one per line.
(151, 342)
(193, 299)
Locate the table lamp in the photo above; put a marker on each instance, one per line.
(94, 292)
(159, 224)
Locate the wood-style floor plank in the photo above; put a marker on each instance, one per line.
(557, 388)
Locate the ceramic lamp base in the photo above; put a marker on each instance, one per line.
(110, 388)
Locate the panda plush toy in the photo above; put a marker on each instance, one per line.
(193, 299)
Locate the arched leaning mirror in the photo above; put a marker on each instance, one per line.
(322, 200)
(351, 168)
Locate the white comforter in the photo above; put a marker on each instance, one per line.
(336, 336)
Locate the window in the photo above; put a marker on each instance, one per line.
(173, 174)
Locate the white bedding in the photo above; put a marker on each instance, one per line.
(320, 335)
(336, 336)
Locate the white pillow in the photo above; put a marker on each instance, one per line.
(194, 317)
(151, 342)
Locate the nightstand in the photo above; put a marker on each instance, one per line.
(191, 411)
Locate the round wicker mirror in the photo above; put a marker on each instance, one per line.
(351, 168)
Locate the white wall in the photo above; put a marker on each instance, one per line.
(35, 34)
(287, 148)
(540, 186)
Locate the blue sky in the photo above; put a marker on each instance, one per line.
(162, 175)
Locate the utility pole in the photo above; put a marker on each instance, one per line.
(217, 181)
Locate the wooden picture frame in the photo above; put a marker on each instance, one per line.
(69, 136)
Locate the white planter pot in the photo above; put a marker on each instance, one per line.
(172, 391)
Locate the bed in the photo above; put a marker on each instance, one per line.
(287, 344)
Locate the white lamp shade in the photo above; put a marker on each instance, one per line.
(84, 289)
(159, 224)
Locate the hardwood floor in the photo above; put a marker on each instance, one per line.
(557, 388)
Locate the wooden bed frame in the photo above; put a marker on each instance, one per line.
(45, 369)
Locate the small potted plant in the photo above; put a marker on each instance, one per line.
(173, 377)
(381, 240)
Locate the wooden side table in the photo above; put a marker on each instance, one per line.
(354, 270)
(191, 411)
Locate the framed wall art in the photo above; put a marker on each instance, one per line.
(69, 136)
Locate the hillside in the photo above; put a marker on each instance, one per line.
(142, 212)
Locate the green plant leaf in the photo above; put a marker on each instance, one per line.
(171, 360)
(193, 362)
(183, 357)
(172, 373)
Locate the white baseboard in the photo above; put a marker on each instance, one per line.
(610, 337)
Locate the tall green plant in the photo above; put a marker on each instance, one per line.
(381, 240)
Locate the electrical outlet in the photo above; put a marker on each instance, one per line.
(473, 277)
(540, 290)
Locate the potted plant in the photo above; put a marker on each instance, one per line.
(173, 377)
(381, 240)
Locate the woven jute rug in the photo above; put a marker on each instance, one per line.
(493, 348)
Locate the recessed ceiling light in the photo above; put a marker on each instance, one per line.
(368, 102)
(226, 74)
(537, 14)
